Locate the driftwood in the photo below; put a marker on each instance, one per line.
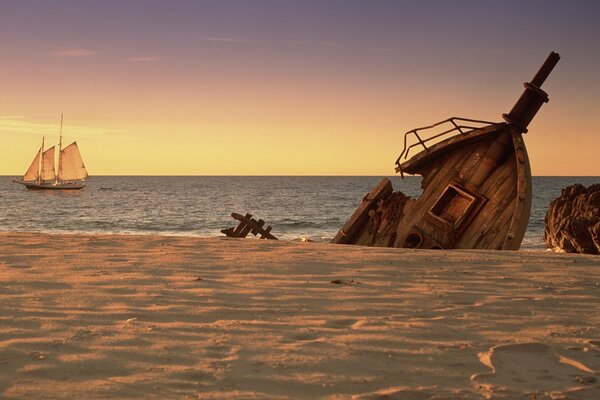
(247, 225)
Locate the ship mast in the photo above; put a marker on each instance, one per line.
(60, 150)
(41, 174)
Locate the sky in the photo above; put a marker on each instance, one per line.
(288, 87)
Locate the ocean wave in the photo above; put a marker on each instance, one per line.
(309, 208)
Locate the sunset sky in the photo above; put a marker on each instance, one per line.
(288, 87)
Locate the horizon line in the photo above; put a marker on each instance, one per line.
(290, 175)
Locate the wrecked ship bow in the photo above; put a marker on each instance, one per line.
(476, 183)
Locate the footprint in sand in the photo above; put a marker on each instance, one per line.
(220, 352)
(340, 323)
(305, 337)
(595, 343)
(527, 368)
(400, 393)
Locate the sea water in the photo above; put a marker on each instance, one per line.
(296, 207)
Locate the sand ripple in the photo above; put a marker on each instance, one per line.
(97, 317)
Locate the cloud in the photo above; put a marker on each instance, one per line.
(18, 125)
(387, 49)
(318, 43)
(226, 40)
(144, 59)
(73, 52)
(299, 42)
(306, 43)
(309, 43)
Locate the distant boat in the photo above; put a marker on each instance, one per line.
(70, 173)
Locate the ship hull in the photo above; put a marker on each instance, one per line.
(52, 186)
(467, 202)
(476, 184)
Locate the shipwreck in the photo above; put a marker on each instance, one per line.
(476, 184)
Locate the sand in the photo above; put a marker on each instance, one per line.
(99, 317)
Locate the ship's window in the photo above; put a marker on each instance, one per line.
(453, 206)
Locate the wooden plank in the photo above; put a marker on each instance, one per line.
(447, 170)
(260, 223)
(246, 225)
(495, 237)
(469, 167)
(420, 161)
(500, 192)
(354, 226)
(392, 215)
(238, 230)
(496, 193)
(252, 225)
(520, 220)
(430, 174)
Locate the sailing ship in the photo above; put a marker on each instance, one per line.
(70, 173)
(476, 182)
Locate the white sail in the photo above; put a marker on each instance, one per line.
(71, 164)
(48, 173)
(33, 172)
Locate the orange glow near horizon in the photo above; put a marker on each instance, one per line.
(285, 100)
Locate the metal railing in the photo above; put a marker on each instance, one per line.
(456, 124)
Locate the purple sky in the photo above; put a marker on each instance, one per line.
(400, 63)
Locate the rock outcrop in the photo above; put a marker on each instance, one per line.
(573, 220)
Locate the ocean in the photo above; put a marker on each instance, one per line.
(297, 207)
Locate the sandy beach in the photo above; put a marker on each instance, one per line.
(100, 317)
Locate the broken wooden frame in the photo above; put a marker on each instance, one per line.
(247, 225)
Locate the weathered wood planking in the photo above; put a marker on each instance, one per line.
(500, 192)
(487, 228)
(247, 225)
(420, 160)
(520, 219)
(476, 185)
(450, 167)
(355, 225)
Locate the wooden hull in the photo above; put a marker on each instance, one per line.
(476, 195)
(476, 184)
(51, 186)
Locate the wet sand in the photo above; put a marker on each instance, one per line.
(99, 317)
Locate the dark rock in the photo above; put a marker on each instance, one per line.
(573, 220)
